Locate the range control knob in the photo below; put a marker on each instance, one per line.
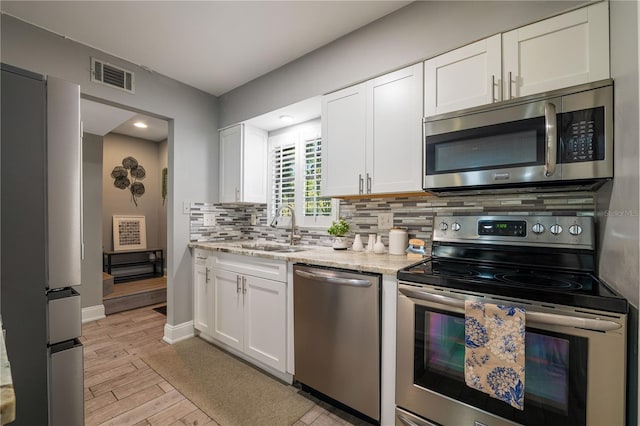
(555, 229)
(538, 228)
(443, 226)
(575, 229)
(455, 226)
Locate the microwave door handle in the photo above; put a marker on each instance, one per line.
(551, 137)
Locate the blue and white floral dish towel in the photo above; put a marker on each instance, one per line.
(494, 351)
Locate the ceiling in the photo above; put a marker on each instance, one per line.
(214, 46)
(100, 119)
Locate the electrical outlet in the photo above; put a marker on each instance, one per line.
(385, 220)
(254, 219)
(186, 207)
(209, 219)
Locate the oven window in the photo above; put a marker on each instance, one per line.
(518, 143)
(555, 370)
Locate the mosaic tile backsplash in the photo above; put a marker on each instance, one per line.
(413, 213)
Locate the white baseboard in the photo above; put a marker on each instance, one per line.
(93, 313)
(176, 333)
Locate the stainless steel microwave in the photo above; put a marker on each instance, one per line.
(557, 139)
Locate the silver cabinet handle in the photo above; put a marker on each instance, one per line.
(360, 184)
(368, 183)
(237, 283)
(332, 279)
(535, 317)
(244, 285)
(493, 88)
(551, 150)
(510, 85)
(206, 275)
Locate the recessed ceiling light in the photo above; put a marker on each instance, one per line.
(140, 125)
(286, 119)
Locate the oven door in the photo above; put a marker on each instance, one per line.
(574, 368)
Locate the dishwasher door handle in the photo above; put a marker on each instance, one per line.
(353, 282)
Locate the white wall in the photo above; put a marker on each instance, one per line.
(416, 32)
(193, 136)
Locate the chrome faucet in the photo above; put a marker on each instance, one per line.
(274, 221)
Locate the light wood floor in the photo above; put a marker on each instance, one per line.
(121, 389)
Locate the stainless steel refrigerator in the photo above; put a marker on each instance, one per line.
(41, 245)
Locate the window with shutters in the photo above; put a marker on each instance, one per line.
(295, 157)
(283, 181)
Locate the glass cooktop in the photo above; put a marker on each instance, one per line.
(579, 289)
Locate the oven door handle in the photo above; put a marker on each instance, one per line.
(534, 317)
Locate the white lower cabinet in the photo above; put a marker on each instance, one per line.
(248, 300)
(202, 292)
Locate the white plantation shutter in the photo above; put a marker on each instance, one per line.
(295, 171)
(283, 182)
(314, 203)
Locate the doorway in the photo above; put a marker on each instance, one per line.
(125, 169)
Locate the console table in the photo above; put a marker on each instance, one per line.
(128, 258)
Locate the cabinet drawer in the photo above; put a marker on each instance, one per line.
(271, 269)
(200, 256)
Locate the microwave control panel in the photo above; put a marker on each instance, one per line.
(582, 135)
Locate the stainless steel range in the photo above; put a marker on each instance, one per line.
(575, 342)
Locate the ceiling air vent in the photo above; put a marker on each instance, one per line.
(102, 72)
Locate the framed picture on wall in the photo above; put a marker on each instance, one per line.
(129, 232)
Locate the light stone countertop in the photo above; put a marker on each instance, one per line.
(318, 255)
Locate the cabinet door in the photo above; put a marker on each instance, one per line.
(562, 51)
(343, 138)
(265, 321)
(463, 78)
(394, 132)
(254, 166)
(230, 164)
(202, 299)
(228, 321)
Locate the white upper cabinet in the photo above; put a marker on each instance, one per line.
(372, 135)
(463, 78)
(243, 170)
(562, 51)
(343, 136)
(394, 132)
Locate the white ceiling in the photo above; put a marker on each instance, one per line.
(214, 46)
(100, 119)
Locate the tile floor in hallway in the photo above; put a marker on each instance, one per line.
(121, 389)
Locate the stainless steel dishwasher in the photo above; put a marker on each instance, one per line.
(337, 335)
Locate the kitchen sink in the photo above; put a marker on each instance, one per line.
(274, 248)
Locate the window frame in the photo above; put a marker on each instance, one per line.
(297, 135)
